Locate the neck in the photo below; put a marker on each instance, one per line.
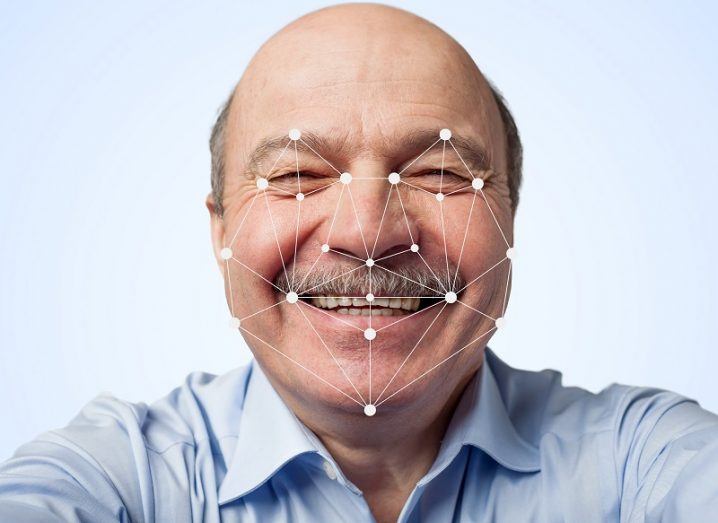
(387, 455)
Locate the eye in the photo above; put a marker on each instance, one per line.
(438, 172)
(292, 176)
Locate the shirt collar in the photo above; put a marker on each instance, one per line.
(270, 435)
(482, 420)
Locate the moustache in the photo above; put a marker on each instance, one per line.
(339, 279)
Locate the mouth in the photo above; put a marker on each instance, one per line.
(362, 312)
(353, 306)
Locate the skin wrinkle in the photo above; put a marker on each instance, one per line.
(293, 82)
(331, 147)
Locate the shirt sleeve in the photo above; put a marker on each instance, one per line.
(94, 470)
(669, 472)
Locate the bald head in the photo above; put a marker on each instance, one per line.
(362, 71)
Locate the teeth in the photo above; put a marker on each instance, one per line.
(360, 306)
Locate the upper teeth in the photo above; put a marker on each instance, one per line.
(409, 304)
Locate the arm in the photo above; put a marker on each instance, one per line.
(670, 471)
(93, 470)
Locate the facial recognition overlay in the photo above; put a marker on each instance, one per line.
(368, 271)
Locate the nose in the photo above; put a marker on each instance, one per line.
(370, 220)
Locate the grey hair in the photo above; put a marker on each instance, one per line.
(514, 150)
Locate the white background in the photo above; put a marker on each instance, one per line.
(107, 280)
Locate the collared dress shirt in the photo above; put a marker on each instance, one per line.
(520, 447)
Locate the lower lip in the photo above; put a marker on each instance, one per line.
(332, 318)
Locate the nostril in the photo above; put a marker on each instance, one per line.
(392, 251)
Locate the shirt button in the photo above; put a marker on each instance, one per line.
(329, 470)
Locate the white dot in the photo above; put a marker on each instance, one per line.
(262, 183)
(439, 197)
(225, 253)
(394, 178)
(300, 196)
(414, 248)
(477, 183)
(500, 322)
(510, 253)
(370, 297)
(345, 178)
(295, 134)
(325, 247)
(370, 263)
(369, 410)
(292, 297)
(445, 134)
(370, 334)
(450, 297)
(234, 323)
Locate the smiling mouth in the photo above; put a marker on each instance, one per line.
(355, 306)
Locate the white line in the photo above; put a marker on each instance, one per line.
(257, 274)
(482, 274)
(441, 176)
(261, 311)
(321, 188)
(408, 279)
(463, 243)
(410, 353)
(443, 288)
(422, 154)
(331, 226)
(418, 188)
(476, 310)
(392, 255)
(494, 217)
(330, 353)
(331, 316)
(435, 366)
(229, 284)
(356, 213)
(296, 242)
(446, 250)
(347, 255)
(302, 366)
(242, 221)
(381, 222)
(369, 371)
(482, 194)
(332, 279)
(462, 160)
(274, 230)
(410, 315)
(320, 156)
(301, 284)
(506, 290)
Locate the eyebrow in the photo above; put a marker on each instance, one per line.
(414, 144)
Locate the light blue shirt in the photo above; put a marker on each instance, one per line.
(520, 447)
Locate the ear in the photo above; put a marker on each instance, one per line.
(216, 225)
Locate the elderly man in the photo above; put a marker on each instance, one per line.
(364, 181)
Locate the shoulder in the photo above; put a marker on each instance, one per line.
(201, 408)
(115, 453)
(652, 447)
(539, 404)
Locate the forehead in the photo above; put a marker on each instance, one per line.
(367, 86)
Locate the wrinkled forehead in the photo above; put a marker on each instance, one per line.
(368, 92)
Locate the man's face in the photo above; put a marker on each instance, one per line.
(368, 104)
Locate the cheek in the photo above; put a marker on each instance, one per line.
(474, 240)
(462, 230)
